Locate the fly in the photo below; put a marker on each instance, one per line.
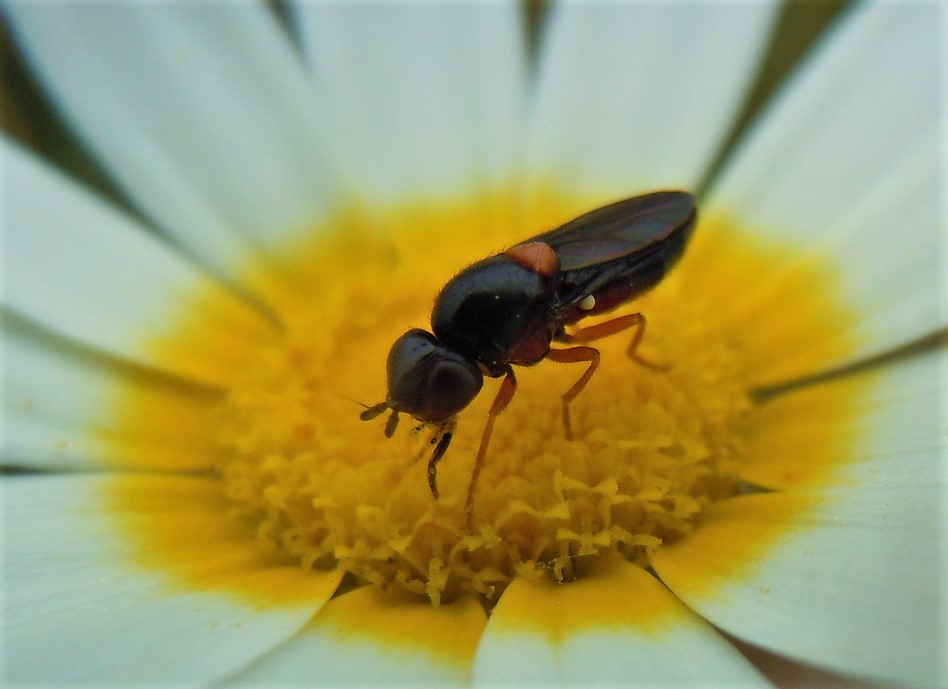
(507, 310)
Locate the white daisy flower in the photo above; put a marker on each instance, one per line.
(190, 496)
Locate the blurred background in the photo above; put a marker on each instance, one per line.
(28, 117)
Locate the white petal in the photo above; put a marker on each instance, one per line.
(639, 95)
(64, 409)
(845, 166)
(201, 112)
(427, 97)
(80, 268)
(366, 638)
(84, 604)
(847, 579)
(615, 625)
(885, 426)
(791, 674)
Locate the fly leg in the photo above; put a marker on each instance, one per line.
(434, 437)
(574, 355)
(442, 436)
(506, 392)
(580, 354)
(611, 327)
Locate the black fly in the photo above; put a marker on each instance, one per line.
(507, 309)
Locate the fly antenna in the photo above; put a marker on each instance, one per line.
(349, 399)
(371, 412)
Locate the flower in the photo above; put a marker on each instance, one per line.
(176, 433)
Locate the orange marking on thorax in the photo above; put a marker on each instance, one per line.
(535, 256)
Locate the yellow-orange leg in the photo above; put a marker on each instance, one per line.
(506, 392)
(590, 354)
(574, 355)
(611, 327)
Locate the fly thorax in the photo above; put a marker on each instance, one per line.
(486, 310)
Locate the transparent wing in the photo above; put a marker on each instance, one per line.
(619, 230)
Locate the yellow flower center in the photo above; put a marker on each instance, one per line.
(314, 486)
(651, 449)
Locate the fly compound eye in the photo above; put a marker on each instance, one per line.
(427, 380)
(409, 361)
(452, 384)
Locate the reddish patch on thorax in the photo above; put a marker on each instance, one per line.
(536, 257)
